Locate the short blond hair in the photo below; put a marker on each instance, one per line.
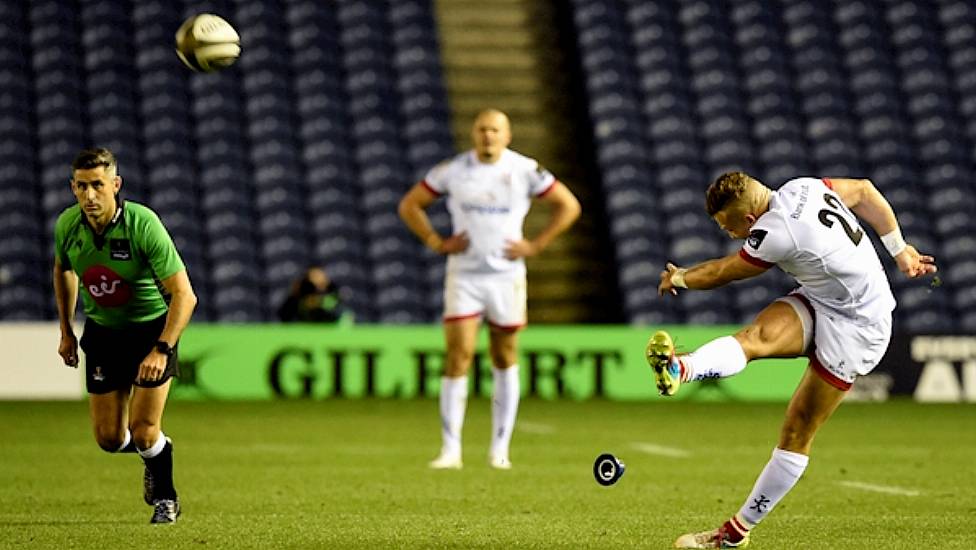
(733, 190)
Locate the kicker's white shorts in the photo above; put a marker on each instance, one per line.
(499, 297)
(839, 349)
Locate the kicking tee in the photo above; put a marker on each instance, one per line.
(120, 269)
(809, 233)
(489, 202)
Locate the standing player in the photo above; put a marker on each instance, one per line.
(840, 316)
(123, 255)
(489, 191)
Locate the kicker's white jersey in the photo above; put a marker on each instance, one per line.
(489, 202)
(809, 233)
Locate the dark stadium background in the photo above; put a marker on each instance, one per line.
(298, 154)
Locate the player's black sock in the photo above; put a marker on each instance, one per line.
(128, 444)
(161, 468)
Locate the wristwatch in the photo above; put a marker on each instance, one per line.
(164, 348)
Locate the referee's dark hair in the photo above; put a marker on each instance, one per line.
(93, 158)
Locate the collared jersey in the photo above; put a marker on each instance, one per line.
(489, 202)
(809, 233)
(118, 270)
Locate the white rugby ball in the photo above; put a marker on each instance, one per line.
(207, 43)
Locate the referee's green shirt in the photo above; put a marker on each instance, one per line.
(118, 269)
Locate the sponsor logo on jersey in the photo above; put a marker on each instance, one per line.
(106, 287)
(468, 207)
(756, 237)
(120, 249)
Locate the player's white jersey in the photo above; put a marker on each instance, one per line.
(809, 233)
(489, 202)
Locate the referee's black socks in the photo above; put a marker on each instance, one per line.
(128, 445)
(159, 461)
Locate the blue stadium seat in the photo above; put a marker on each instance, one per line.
(238, 304)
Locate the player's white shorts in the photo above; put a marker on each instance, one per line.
(841, 350)
(499, 297)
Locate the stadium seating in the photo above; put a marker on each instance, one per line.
(21, 262)
(782, 91)
(298, 154)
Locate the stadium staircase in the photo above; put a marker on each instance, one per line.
(506, 54)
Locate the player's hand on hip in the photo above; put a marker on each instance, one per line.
(667, 286)
(68, 350)
(915, 265)
(152, 367)
(455, 243)
(520, 249)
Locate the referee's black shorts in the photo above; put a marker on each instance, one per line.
(113, 355)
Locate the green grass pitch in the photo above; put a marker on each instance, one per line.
(352, 474)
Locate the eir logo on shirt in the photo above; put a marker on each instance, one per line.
(106, 287)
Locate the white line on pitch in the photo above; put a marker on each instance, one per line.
(660, 450)
(880, 488)
(534, 427)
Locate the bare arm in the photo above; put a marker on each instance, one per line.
(412, 211)
(708, 274)
(864, 199)
(181, 305)
(564, 211)
(66, 296)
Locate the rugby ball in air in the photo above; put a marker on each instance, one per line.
(207, 43)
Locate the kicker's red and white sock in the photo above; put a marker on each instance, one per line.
(736, 528)
(720, 358)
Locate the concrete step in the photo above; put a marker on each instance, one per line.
(472, 81)
(553, 289)
(487, 38)
(505, 54)
(558, 313)
(497, 13)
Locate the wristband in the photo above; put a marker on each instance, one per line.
(894, 242)
(678, 278)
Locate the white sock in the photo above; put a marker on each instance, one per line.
(126, 440)
(779, 476)
(454, 400)
(719, 358)
(504, 407)
(156, 447)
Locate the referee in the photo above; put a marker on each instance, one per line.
(137, 299)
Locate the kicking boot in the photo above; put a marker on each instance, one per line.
(166, 511)
(666, 367)
(726, 536)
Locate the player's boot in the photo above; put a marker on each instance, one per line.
(447, 461)
(148, 487)
(666, 367)
(166, 511)
(500, 462)
(726, 536)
